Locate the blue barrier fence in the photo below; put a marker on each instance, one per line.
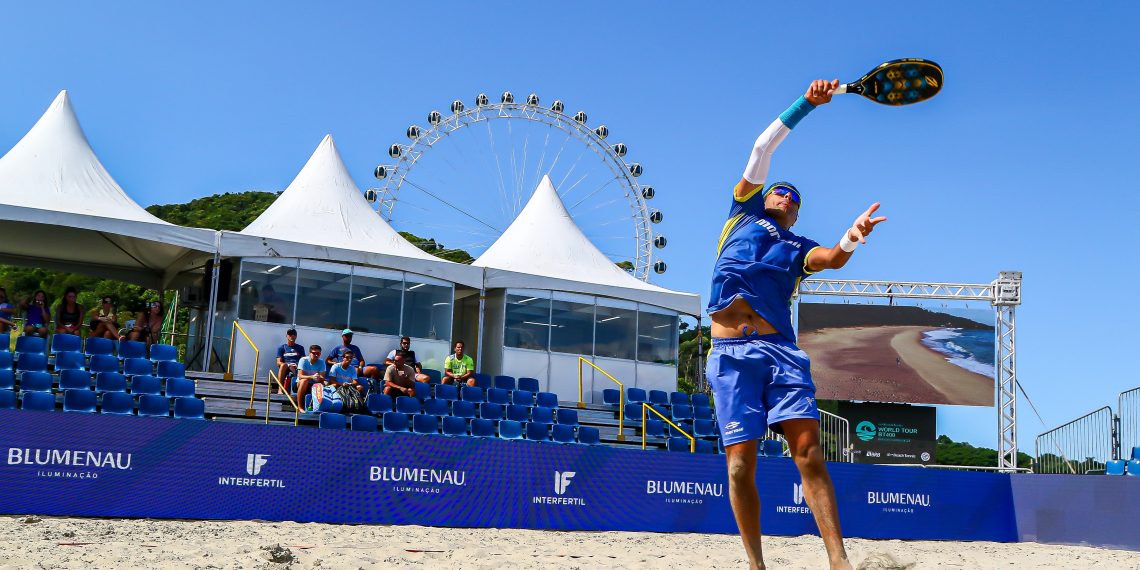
(77, 464)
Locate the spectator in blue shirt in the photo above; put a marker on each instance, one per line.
(362, 367)
(310, 372)
(344, 372)
(36, 315)
(288, 355)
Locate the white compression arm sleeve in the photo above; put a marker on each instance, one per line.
(757, 169)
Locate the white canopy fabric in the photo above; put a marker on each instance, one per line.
(60, 209)
(323, 215)
(544, 249)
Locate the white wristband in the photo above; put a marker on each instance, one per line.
(846, 244)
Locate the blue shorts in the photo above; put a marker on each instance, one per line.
(757, 382)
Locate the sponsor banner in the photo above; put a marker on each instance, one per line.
(90, 465)
(1065, 509)
(891, 433)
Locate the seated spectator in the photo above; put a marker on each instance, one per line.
(310, 373)
(344, 373)
(287, 356)
(69, 313)
(405, 350)
(148, 325)
(36, 317)
(399, 378)
(7, 312)
(362, 368)
(103, 322)
(420, 376)
(459, 368)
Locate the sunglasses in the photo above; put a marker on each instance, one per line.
(787, 192)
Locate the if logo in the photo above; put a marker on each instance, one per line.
(254, 462)
(798, 493)
(562, 481)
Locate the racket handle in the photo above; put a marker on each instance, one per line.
(841, 89)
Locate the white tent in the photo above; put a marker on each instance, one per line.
(544, 249)
(60, 209)
(323, 215)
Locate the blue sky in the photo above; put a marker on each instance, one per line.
(1027, 160)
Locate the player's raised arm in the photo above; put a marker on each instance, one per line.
(822, 258)
(818, 93)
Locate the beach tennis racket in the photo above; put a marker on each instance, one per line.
(898, 82)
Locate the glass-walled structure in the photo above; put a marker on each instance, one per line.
(542, 333)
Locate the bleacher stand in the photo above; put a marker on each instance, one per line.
(153, 406)
(436, 407)
(332, 421)
(79, 401)
(473, 394)
(66, 343)
(589, 435)
(538, 431)
(130, 349)
(563, 433)
(31, 362)
(118, 403)
(425, 424)
(163, 353)
(146, 385)
(505, 382)
(396, 422)
(509, 429)
(454, 426)
(363, 422)
(482, 428)
(189, 408)
(529, 384)
(41, 401)
(463, 409)
(498, 396)
(659, 397)
(98, 345)
(482, 380)
(110, 382)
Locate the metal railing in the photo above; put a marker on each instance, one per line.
(229, 375)
(269, 396)
(646, 408)
(964, 467)
(621, 395)
(834, 437)
(1084, 444)
(1128, 413)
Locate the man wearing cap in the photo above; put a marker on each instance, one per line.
(760, 378)
(362, 367)
(287, 356)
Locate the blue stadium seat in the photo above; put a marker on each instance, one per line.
(42, 401)
(563, 433)
(542, 415)
(546, 400)
(29, 344)
(7, 400)
(589, 435)
(483, 380)
(137, 367)
(634, 396)
(70, 361)
(379, 404)
(720, 446)
(482, 427)
(189, 408)
(99, 345)
(659, 397)
(110, 382)
(633, 413)
(163, 352)
(529, 384)
(1136, 452)
(1114, 467)
(31, 362)
(434, 376)
(498, 396)
(517, 413)
(146, 385)
(773, 448)
(505, 382)
(130, 349)
(1134, 467)
(103, 363)
(5, 360)
(682, 413)
(473, 394)
(66, 343)
(538, 432)
(701, 400)
(706, 446)
(364, 422)
(74, 380)
(118, 403)
(567, 416)
(79, 401)
(396, 422)
(7, 379)
(702, 413)
(425, 424)
(654, 428)
(154, 406)
(5, 342)
(179, 388)
(510, 429)
(491, 411)
(679, 399)
(329, 420)
(686, 429)
(35, 382)
(463, 409)
(704, 428)
(522, 398)
(436, 407)
(611, 396)
(447, 392)
(678, 444)
(408, 405)
(453, 426)
(168, 369)
(423, 391)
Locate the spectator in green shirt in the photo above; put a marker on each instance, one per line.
(459, 368)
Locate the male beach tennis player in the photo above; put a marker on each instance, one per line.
(760, 378)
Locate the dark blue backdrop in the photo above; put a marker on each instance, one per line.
(77, 464)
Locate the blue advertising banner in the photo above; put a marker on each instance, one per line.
(85, 465)
(1078, 509)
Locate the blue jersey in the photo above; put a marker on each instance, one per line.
(760, 262)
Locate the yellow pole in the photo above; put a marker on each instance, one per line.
(229, 375)
(643, 425)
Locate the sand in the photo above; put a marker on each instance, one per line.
(859, 363)
(49, 542)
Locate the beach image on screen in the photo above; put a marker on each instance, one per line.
(881, 353)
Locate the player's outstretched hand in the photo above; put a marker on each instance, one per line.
(865, 224)
(820, 91)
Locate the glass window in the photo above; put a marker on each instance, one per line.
(528, 321)
(656, 337)
(572, 327)
(615, 330)
(266, 291)
(427, 310)
(376, 303)
(323, 297)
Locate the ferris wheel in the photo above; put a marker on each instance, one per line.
(485, 159)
